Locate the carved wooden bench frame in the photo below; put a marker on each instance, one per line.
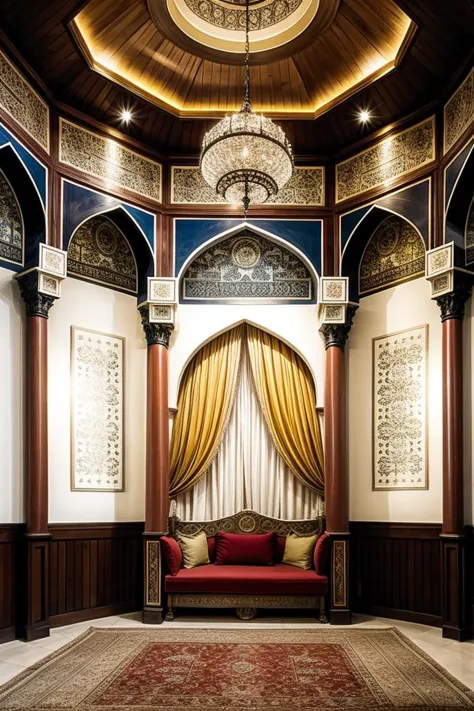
(245, 522)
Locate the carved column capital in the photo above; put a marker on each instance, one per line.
(452, 304)
(336, 334)
(36, 303)
(155, 333)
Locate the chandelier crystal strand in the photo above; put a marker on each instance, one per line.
(245, 157)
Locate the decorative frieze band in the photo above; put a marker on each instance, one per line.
(106, 159)
(306, 187)
(390, 158)
(20, 101)
(459, 112)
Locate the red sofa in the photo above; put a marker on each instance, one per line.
(246, 588)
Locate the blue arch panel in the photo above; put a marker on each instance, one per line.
(80, 203)
(305, 235)
(36, 169)
(453, 171)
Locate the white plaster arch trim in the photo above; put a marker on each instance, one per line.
(259, 231)
(104, 212)
(368, 242)
(230, 327)
(43, 206)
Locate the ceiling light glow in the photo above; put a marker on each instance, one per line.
(364, 116)
(126, 115)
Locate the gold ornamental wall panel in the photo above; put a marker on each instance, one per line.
(106, 159)
(306, 187)
(459, 112)
(391, 158)
(20, 101)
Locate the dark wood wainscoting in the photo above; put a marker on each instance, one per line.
(10, 535)
(396, 570)
(95, 570)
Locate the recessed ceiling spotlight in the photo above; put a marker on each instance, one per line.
(364, 116)
(126, 115)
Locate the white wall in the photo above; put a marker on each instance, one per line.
(395, 309)
(296, 324)
(100, 309)
(11, 400)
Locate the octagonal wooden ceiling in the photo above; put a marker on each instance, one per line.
(310, 54)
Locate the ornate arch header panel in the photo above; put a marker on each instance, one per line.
(247, 267)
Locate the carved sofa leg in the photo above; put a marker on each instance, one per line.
(170, 614)
(322, 610)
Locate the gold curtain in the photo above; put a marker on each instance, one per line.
(205, 400)
(286, 392)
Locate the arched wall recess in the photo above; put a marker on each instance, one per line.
(247, 265)
(459, 221)
(109, 249)
(11, 224)
(30, 205)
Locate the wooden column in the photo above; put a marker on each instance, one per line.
(35, 569)
(336, 470)
(453, 538)
(157, 463)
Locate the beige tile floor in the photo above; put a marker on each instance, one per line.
(457, 658)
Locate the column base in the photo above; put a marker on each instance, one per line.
(30, 634)
(153, 615)
(340, 613)
(34, 583)
(455, 622)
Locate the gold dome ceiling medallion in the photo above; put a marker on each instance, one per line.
(246, 158)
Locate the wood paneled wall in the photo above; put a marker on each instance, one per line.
(9, 538)
(95, 570)
(396, 570)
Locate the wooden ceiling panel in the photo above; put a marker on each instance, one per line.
(443, 42)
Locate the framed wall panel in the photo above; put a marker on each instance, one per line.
(97, 411)
(399, 402)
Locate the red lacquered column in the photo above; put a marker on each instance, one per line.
(453, 538)
(336, 471)
(34, 607)
(157, 464)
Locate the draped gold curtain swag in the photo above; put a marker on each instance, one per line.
(285, 390)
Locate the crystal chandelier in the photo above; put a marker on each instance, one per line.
(246, 158)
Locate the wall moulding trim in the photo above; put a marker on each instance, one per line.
(387, 161)
(305, 188)
(25, 106)
(108, 160)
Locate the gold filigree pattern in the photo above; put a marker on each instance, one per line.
(339, 591)
(98, 251)
(20, 101)
(97, 407)
(399, 410)
(153, 574)
(231, 15)
(11, 224)
(469, 240)
(305, 187)
(258, 601)
(106, 159)
(391, 158)
(246, 522)
(459, 112)
(395, 253)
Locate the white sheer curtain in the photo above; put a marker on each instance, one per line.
(248, 472)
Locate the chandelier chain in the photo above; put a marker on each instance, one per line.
(247, 102)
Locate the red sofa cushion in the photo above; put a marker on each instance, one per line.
(243, 549)
(211, 546)
(172, 554)
(280, 579)
(321, 553)
(279, 548)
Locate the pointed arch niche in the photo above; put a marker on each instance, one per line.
(385, 249)
(247, 265)
(11, 224)
(247, 468)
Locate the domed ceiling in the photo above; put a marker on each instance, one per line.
(186, 56)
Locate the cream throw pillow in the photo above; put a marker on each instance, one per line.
(299, 551)
(194, 549)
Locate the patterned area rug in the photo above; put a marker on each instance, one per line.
(237, 670)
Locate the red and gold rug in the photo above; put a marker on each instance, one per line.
(237, 670)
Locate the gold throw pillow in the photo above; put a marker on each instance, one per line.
(194, 549)
(299, 551)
